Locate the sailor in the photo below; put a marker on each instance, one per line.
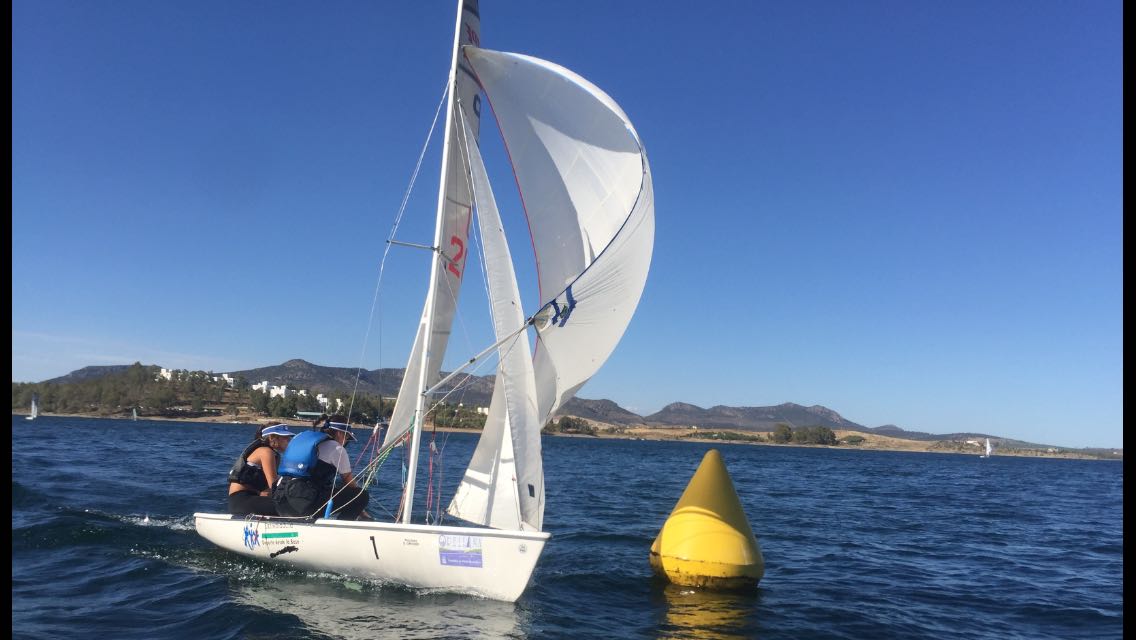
(254, 472)
(308, 471)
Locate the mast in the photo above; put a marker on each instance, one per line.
(464, 33)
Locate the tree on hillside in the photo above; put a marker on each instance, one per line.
(782, 433)
(371, 408)
(570, 424)
(160, 398)
(307, 403)
(259, 401)
(814, 435)
(281, 407)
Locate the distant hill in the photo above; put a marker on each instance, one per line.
(751, 418)
(88, 373)
(301, 374)
(478, 390)
(896, 432)
(600, 411)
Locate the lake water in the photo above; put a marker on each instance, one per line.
(857, 544)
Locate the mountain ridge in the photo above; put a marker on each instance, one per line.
(478, 390)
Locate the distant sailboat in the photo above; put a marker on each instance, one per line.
(35, 408)
(989, 449)
(135, 414)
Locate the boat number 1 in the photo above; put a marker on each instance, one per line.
(375, 547)
(456, 260)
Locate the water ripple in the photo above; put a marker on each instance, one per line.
(857, 544)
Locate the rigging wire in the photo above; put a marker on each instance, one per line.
(511, 341)
(383, 261)
(370, 471)
(378, 455)
(433, 495)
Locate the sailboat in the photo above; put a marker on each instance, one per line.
(588, 199)
(989, 449)
(135, 412)
(35, 408)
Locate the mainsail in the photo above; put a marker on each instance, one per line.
(451, 236)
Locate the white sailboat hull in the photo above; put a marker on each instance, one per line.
(491, 563)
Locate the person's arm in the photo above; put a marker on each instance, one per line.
(349, 479)
(338, 458)
(267, 461)
(344, 467)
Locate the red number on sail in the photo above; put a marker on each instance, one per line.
(456, 260)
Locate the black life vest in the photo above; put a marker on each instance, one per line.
(246, 474)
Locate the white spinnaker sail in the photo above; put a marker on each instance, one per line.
(451, 234)
(503, 486)
(587, 192)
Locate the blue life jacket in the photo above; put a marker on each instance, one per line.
(300, 457)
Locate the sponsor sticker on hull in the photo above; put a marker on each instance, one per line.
(254, 537)
(459, 551)
(280, 539)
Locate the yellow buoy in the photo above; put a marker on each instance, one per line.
(707, 541)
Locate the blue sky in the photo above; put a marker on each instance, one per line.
(908, 212)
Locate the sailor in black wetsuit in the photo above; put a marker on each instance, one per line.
(254, 472)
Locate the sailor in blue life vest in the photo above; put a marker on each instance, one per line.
(308, 472)
(254, 472)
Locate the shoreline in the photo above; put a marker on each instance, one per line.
(872, 442)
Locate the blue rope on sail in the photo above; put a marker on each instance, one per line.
(562, 314)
